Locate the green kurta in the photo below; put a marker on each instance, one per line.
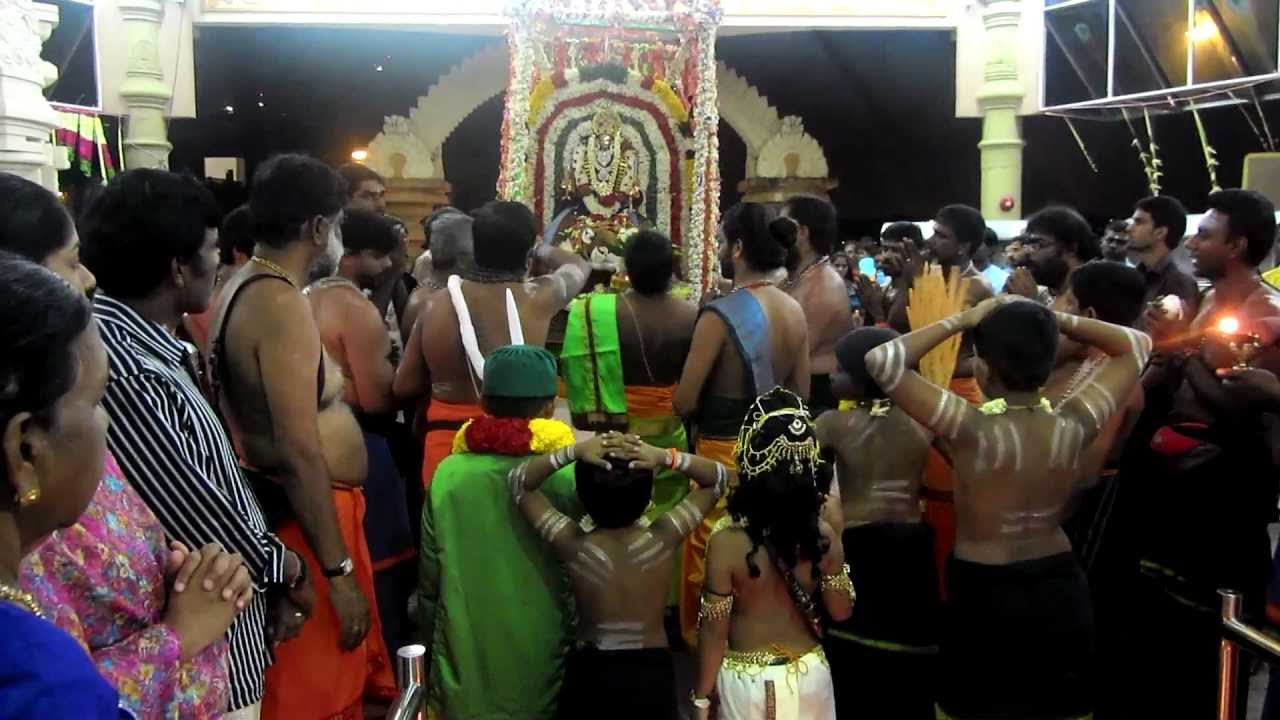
(496, 606)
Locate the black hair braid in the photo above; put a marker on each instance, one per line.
(781, 511)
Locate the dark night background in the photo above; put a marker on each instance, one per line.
(881, 103)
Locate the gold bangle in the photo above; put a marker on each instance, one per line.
(715, 609)
(838, 582)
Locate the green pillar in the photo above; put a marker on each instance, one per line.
(999, 98)
(144, 90)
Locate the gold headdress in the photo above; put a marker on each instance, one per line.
(606, 121)
(778, 430)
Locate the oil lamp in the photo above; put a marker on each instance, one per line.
(1245, 346)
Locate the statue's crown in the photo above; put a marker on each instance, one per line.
(606, 121)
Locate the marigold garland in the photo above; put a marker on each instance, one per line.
(517, 437)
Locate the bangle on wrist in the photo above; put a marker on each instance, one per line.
(702, 703)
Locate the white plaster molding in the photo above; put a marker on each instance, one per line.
(458, 93)
(399, 153)
(745, 110)
(26, 119)
(791, 152)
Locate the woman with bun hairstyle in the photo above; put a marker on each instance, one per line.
(744, 345)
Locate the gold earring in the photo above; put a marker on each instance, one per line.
(28, 497)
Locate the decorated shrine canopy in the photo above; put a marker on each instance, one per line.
(612, 105)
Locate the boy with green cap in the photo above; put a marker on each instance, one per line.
(495, 604)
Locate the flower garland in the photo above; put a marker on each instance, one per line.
(513, 179)
(706, 162)
(512, 436)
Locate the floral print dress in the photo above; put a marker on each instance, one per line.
(103, 581)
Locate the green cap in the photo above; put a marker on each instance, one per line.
(520, 371)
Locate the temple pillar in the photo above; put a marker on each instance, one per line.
(144, 90)
(999, 98)
(26, 119)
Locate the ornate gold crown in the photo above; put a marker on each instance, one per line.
(791, 438)
(606, 121)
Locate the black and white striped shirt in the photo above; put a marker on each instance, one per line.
(174, 450)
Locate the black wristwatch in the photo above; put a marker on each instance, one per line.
(302, 572)
(343, 569)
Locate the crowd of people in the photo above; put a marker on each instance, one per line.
(246, 458)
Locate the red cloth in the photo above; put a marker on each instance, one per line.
(311, 677)
(439, 442)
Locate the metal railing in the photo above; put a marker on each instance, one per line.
(411, 668)
(1235, 633)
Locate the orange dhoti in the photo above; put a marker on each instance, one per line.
(939, 488)
(312, 678)
(694, 563)
(443, 422)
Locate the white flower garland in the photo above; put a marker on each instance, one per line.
(514, 179)
(704, 212)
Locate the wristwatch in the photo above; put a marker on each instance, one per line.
(302, 572)
(343, 569)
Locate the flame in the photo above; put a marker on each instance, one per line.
(1229, 325)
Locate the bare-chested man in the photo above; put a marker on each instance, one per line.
(1212, 485)
(621, 571)
(820, 291)
(492, 306)
(623, 355)
(883, 658)
(1018, 640)
(899, 259)
(447, 252)
(356, 339)
(283, 399)
(744, 344)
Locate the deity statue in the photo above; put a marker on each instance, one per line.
(603, 185)
(604, 167)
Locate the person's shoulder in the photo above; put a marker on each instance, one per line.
(46, 667)
(1264, 302)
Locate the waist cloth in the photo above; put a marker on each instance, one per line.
(444, 420)
(693, 564)
(651, 416)
(619, 684)
(311, 676)
(775, 685)
(938, 490)
(884, 658)
(1214, 501)
(1017, 641)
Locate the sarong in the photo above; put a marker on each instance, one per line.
(939, 488)
(443, 422)
(1017, 641)
(1213, 498)
(767, 686)
(619, 684)
(693, 566)
(311, 677)
(652, 418)
(391, 546)
(821, 399)
(884, 658)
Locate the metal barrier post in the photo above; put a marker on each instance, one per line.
(411, 665)
(1228, 658)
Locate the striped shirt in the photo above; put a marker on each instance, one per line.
(174, 450)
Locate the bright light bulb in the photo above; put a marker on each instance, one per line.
(377, 68)
(230, 109)
(360, 155)
(1205, 29)
(1228, 325)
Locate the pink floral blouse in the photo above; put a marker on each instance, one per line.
(102, 580)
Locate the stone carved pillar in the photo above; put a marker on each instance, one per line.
(999, 97)
(26, 119)
(144, 90)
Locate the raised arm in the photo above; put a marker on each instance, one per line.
(526, 479)
(1109, 391)
(708, 336)
(891, 365)
(836, 587)
(711, 477)
(567, 273)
